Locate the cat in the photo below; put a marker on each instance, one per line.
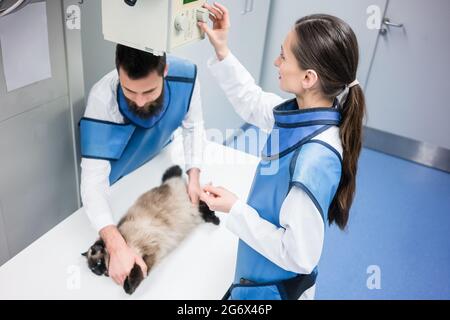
(156, 223)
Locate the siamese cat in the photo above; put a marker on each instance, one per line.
(157, 222)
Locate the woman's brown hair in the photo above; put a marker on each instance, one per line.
(328, 45)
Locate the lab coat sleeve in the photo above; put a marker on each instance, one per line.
(94, 185)
(193, 131)
(296, 246)
(95, 191)
(248, 99)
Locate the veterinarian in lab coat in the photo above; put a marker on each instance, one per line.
(315, 142)
(131, 114)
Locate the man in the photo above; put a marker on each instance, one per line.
(131, 115)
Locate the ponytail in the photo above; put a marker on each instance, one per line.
(353, 112)
(329, 46)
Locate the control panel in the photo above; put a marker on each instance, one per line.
(155, 26)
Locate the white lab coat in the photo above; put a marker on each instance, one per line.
(297, 246)
(102, 105)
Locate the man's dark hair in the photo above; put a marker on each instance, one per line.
(139, 64)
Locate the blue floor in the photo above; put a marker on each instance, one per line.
(399, 226)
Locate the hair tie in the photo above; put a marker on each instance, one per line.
(354, 83)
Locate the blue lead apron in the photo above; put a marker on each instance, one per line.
(128, 146)
(300, 161)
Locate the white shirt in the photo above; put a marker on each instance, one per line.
(102, 105)
(297, 246)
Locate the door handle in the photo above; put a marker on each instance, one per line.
(249, 6)
(387, 23)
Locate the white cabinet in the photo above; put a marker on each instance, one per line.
(247, 38)
(37, 168)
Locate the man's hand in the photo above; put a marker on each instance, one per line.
(218, 198)
(121, 257)
(193, 187)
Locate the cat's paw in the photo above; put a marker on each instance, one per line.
(133, 280)
(207, 214)
(215, 220)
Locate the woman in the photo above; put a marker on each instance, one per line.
(315, 143)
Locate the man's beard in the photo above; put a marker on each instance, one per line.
(152, 109)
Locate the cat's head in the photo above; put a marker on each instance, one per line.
(97, 258)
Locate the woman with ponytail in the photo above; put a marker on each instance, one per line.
(314, 145)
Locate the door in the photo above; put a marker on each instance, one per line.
(409, 81)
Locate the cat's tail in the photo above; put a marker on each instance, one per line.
(172, 172)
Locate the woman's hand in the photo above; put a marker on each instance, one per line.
(218, 36)
(218, 198)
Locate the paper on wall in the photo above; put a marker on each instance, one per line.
(25, 48)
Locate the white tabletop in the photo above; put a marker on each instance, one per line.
(202, 267)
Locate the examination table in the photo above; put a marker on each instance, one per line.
(202, 267)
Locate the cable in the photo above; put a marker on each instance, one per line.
(12, 8)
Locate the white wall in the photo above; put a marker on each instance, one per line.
(246, 40)
(98, 54)
(284, 14)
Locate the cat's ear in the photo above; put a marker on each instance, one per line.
(99, 244)
(85, 254)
